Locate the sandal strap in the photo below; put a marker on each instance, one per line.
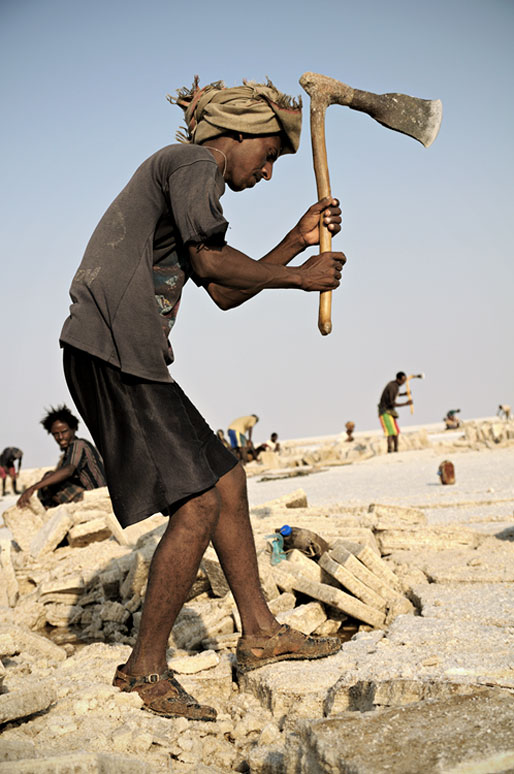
(154, 677)
(131, 681)
(267, 643)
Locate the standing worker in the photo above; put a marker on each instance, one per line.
(166, 226)
(387, 410)
(7, 467)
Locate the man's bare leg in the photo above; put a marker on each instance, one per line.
(234, 543)
(172, 572)
(263, 640)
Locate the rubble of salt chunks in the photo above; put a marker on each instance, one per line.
(73, 574)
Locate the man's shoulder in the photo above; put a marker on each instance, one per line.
(182, 153)
(81, 443)
(11, 451)
(162, 164)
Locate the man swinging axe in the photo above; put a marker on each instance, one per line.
(387, 409)
(167, 226)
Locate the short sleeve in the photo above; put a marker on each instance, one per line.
(392, 393)
(194, 191)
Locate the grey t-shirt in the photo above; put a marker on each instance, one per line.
(127, 289)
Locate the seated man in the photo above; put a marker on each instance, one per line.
(221, 436)
(452, 421)
(504, 411)
(7, 467)
(79, 468)
(272, 445)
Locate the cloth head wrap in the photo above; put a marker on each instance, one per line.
(253, 108)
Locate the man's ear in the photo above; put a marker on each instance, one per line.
(240, 137)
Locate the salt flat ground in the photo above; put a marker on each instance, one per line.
(484, 481)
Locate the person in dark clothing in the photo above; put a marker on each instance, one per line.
(387, 410)
(451, 419)
(166, 226)
(79, 468)
(8, 468)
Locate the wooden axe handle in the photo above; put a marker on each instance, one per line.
(409, 394)
(319, 154)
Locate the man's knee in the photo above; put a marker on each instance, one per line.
(232, 486)
(197, 515)
(205, 506)
(234, 480)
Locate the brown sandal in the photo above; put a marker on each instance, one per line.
(256, 650)
(163, 695)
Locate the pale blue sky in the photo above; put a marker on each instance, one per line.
(428, 233)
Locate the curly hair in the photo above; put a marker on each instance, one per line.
(60, 414)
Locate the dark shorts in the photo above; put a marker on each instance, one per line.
(157, 448)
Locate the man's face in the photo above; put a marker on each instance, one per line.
(250, 160)
(62, 433)
(402, 380)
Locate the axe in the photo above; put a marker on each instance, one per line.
(419, 118)
(407, 388)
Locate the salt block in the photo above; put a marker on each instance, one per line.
(374, 563)
(52, 532)
(351, 583)
(31, 699)
(78, 763)
(398, 516)
(14, 749)
(328, 595)
(295, 688)
(212, 686)
(116, 529)
(90, 531)
(23, 524)
(28, 642)
(427, 538)
(270, 459)
(350, 562)
(8, 576)
(435, 738)
(285, 601)
(216, 576)
(304, 618)
(190, 665)
(309, 567)
(296, 499)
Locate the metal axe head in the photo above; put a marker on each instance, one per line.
(419, 118)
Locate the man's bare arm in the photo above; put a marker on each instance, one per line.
(230, 269)
(53, 477)
(304, 234)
